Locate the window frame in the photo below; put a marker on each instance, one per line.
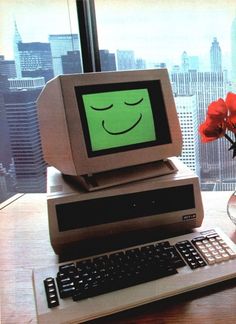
(88, 35)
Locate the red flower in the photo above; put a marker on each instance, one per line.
(220, 118)
(211, 131)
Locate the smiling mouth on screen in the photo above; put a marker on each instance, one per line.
(124, 131)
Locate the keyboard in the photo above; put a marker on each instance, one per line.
(88, 288)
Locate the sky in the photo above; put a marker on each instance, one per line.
(157, 30)
(149, 26)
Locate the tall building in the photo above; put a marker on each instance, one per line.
(108, 60)
(5, 151)
(35, 60)
(21, 114)
(71, 62)
(17, 40)
(207, 86)
(140, 64)
(7, 67)
(233, 54)
(61, 44)
(194, 63)
(125, 60)
(185, 62)
(215, 56)
(187, 113)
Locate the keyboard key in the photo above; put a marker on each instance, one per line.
(190, 254)
(51, 293)
(231, 253)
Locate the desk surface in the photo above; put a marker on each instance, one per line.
(24, 244)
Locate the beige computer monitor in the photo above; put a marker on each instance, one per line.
(93, 123)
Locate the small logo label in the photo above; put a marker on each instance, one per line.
(189, 217)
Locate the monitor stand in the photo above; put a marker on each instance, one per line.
(125, 175)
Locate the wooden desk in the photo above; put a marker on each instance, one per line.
(24, 244)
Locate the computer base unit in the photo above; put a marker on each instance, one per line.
(86, 223)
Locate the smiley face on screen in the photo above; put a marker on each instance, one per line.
(119, 118)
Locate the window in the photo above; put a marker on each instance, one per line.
(195, 41)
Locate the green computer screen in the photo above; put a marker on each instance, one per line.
(122, 116)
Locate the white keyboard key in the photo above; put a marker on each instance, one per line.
(231, 253)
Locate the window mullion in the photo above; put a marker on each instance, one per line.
(88, 35)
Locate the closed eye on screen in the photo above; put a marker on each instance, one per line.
(133, 103)
(110, 106)
(103, 108)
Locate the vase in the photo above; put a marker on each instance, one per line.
(231, 207)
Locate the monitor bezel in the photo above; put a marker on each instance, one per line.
(162, 131)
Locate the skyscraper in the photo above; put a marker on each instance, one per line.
(16, 40)
(125, 60)
(61, 44)
(21, 114)
(187, 113)
(140, 64)
(215, 56)
(108, 60)
(71, 62)
(185, 62)
(194, 63)
(233, 54)
(5, 151)
(35, 60)
(7, 67)
(207, 86)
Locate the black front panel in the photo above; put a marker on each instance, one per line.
(124, 207)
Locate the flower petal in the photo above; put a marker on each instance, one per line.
(217, 110)
(211, 131)
(231, 102)
(231, 123)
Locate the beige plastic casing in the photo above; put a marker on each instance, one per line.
(62, 192)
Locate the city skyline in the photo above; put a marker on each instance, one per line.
(204, 63)
(191, 23)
